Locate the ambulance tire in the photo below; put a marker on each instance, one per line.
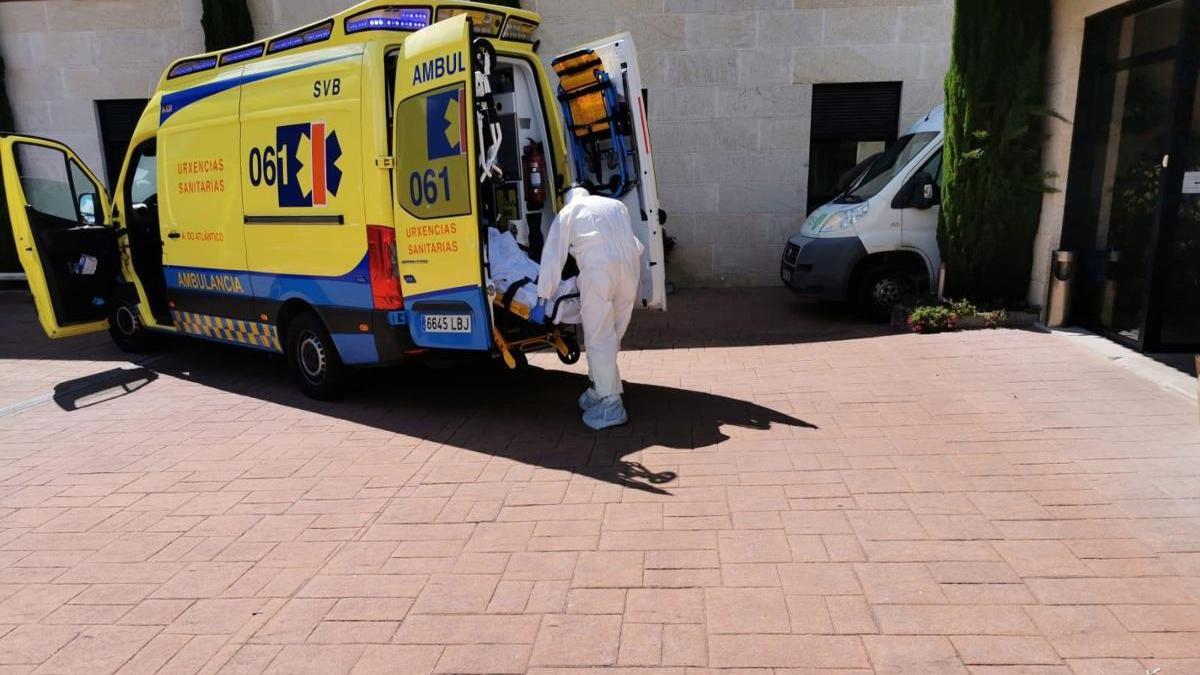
(314, 359)
(126, 329)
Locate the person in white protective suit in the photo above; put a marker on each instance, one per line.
(509, 265)
(598, 232)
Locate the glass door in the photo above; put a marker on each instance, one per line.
(1125, 130)
(1175, 308)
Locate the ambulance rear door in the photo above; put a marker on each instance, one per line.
(619, 57)
(438, 239)
(68, 248)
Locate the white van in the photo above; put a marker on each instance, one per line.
(878, 238)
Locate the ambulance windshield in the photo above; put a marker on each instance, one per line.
(885, 167)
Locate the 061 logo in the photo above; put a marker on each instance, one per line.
(301, 166)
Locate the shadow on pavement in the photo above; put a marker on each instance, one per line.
(91, 390)
(530, 417)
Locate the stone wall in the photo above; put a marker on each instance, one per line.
(62, 56)
(730, 101)
(731, 90)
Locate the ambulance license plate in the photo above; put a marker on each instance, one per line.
(447, 323)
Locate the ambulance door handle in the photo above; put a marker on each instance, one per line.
(173, 235)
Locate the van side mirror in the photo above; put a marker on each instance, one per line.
(87, 208)
(920, 192)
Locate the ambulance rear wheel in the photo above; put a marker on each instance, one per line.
(314, 358)
(125, 327)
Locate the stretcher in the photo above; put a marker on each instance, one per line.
(515, 334)
(597, 121)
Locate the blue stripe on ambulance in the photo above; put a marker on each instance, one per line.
(176, 101)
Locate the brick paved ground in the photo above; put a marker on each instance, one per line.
(796, 493)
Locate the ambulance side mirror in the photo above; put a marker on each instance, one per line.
(87, 208)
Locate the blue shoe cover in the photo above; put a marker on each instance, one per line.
(609, 412)
(588, 399)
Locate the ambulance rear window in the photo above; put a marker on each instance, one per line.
(301, 38)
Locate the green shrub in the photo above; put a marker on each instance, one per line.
(932, 319)
(993, 180)
(227, 23)
(963, 308)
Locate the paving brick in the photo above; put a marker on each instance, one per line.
(953, 620)
(641, 644)
(899, 583)
(895, 655)
(753, 547)
(786, 651)
(577, 640)
(661, 605)
(608, 569)
(1085, 632)
(1004, 650)
(483, 659)
(746, 610)
(384, 659)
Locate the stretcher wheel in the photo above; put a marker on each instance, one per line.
(571, 357)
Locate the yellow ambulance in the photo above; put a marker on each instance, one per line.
(326, 193)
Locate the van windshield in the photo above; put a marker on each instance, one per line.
(885, 167)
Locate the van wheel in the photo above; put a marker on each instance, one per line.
(125, 327)
(314, 359)
(880, 289)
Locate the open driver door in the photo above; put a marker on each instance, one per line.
(439, 242)
(58, 212)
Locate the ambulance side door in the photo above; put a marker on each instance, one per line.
(620, 61)
(65, 241)
(438, 238)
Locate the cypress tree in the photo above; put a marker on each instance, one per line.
(8, 248)
(227, 23)
(993, 180)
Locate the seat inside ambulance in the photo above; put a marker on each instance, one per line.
(78, 251)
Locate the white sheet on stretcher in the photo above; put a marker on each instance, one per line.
(509, 264)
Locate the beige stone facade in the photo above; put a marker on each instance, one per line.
(731, 90)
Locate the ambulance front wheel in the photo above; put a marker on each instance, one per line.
(314, 358)
(125, 327)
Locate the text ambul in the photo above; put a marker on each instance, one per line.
(438, 67)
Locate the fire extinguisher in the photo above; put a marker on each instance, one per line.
(534, 164)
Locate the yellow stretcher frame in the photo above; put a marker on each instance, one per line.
(565, 346)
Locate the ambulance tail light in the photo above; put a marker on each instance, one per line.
(385, 276)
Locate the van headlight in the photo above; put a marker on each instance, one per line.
(842, 220)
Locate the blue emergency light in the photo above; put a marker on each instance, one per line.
(193, 66)
(306, 36)
(392, 18)
(243, 54)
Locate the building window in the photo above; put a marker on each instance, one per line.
(118, 118)
(851, 122)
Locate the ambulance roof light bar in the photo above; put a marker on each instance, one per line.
(390, 18)
(302, 37)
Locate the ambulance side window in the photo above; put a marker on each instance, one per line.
(389, 84)
(54, 185)
(145, 177)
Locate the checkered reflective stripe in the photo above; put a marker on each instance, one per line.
(260, 335)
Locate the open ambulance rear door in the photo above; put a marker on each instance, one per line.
(620, 64)
(58, 212)
(438, 238)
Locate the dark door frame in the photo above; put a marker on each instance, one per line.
(1090, 103)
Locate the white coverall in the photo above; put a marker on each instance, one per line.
(598, 232)
(509, 265)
